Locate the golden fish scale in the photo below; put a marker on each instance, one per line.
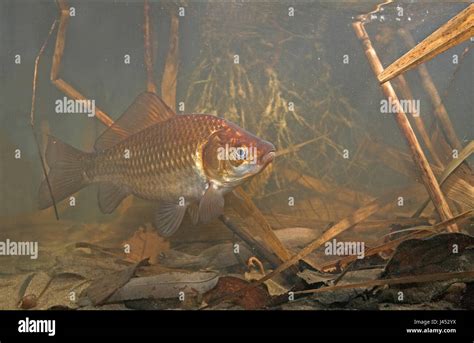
(163, 162)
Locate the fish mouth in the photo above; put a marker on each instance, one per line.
(268, 158)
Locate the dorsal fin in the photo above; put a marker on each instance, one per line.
(147, 110)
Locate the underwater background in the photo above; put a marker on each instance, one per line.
(302, 82)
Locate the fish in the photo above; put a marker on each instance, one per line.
(183, 163)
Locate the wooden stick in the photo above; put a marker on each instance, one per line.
(59, 46)
(407, 94)
(259, 249)
(419, 158)
(386, 223)
(467, 275)
(150, 84)
(430, 88)
(245, 206)
(456, 30)
(170, 73)
(70, 91)
(62, 85)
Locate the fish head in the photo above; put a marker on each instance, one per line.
(232, 155)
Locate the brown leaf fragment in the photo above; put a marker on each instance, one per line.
(146, 243)
(467, 300)
(253, 299)
(101, 289)
(454, 293)
(217, 257)
(440, 253)
(166, 286)
(312, 277)
(443, 253)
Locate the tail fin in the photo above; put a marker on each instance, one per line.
(66, 172)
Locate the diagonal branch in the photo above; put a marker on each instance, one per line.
(62, 85)
(427, 175)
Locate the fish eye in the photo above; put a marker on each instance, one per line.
(241, 153)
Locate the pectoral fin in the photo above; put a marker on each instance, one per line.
(211, 205)
(168, 218)
(193, 211)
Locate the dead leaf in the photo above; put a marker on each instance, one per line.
(440, 253)
(446, 252)
(360, 275)
(338, 297)
(253, 299)
(297, 237)
(101, 289)
(146, 243)
(218, 257)
(166, 286)
(273, 287)
(312, 277)
(467, 300)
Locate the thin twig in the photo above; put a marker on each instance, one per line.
(254, 245)
(395, 281)
(32, 116)
(149, 58)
